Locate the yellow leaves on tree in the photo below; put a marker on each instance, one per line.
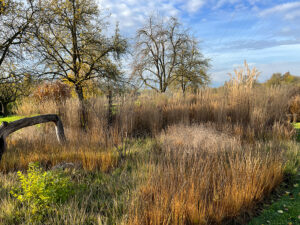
(2, 6)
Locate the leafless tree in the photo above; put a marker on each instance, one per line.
(157, 44)
(158, 52)
(191, 71)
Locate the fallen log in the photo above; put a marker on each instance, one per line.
(9, 128)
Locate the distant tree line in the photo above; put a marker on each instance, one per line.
(283, 79)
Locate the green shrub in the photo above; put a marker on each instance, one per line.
(39, 189)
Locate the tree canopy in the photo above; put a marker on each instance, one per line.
(16, 17)
(71, 45)
(71, 42)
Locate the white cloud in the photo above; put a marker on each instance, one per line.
(282, 8)
(286, 29)
(238, 5)
(221, 3)
(292, 15)
(132, 13)
(193, 6)
(253, 2)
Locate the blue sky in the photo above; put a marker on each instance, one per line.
(265, 33)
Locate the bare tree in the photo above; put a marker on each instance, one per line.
(165, 53)
(157, 46)
(191, 71)
(72, 45)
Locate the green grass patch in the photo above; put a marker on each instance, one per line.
(297, 126)
(11, 118)
(285, 211)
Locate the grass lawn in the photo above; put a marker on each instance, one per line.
(285, 211)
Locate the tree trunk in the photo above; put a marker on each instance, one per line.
(82, 108)
(183, 87)
(2, 140)
(5, 109)
(8, 128)
(110, 108)
(1, 109)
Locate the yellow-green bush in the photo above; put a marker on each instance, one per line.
(39, 189)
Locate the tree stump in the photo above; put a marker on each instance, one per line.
(9, 128)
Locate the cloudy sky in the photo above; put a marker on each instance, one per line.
(264, 32)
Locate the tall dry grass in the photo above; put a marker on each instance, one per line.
(249, 113)
(251, 110)
(257, 109)
(218, 153)
(204, 177)
(40, 144)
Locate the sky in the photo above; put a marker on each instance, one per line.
(266, 33)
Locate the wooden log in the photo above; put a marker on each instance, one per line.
(8, 128)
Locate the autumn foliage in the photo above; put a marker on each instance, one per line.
(56, 91)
